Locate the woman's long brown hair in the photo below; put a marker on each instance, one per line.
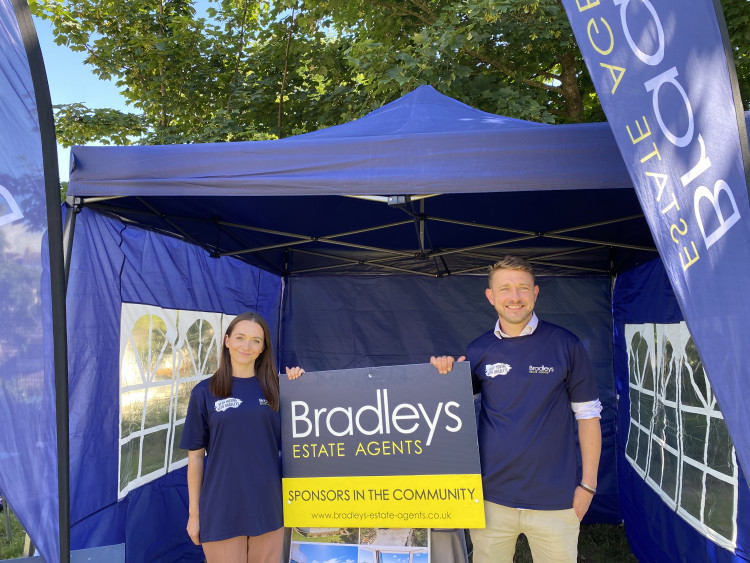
(220, 383)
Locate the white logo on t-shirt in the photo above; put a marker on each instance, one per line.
(493, 370)
(262, 402)
(224, 404)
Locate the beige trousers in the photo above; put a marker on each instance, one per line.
(552, 534)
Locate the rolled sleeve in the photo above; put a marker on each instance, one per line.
(589, 409)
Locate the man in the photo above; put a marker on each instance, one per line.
(536, 379)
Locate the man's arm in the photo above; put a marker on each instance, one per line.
(590, 440)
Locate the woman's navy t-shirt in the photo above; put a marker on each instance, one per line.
(241, 493)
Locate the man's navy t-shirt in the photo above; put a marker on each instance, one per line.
(526, 425)
(241, 493)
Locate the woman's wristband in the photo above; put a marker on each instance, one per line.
(587, 488)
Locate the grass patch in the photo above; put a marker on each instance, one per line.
(597, 543)
(11, 548)
(605, 543)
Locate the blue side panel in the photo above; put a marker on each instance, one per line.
(155, 510)
(644, 295)
(656, 533)
(339, 322)
(100, 528)
(164, 271)
(112, 264)
(93, 364)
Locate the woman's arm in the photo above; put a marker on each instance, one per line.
(195, 483)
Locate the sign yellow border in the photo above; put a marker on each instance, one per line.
(397, 501)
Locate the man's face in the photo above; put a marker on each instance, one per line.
(512, 293)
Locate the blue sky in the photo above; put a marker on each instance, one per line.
(71, 81)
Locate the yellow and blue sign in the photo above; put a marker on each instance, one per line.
(381, 447)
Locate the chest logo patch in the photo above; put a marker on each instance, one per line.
(493, 370)
(263, 402)
(541, 369)
(224, 404)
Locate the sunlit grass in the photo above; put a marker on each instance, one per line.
(11, 548)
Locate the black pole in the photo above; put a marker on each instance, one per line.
(57, 273)
(68, 231)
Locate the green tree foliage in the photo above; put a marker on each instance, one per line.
(737, 15)
(254, 69)
(513, 57)
(217, 77)
(78, 125)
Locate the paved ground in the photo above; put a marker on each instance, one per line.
(392, 536)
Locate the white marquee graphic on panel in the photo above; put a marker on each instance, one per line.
(163, 354)
(678, 440)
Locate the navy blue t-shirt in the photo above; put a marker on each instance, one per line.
(241, 493)
(526, 425)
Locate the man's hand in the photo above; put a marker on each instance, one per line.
(295, 372)
(444, 364)
(581, 502)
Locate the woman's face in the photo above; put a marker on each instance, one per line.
(245, 343)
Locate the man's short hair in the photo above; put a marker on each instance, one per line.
(510, 262)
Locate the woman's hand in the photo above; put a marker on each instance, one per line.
(194, 529)
(294, 373)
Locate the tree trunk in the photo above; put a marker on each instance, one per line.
(569, 87)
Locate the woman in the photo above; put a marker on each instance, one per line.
(232, 432)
